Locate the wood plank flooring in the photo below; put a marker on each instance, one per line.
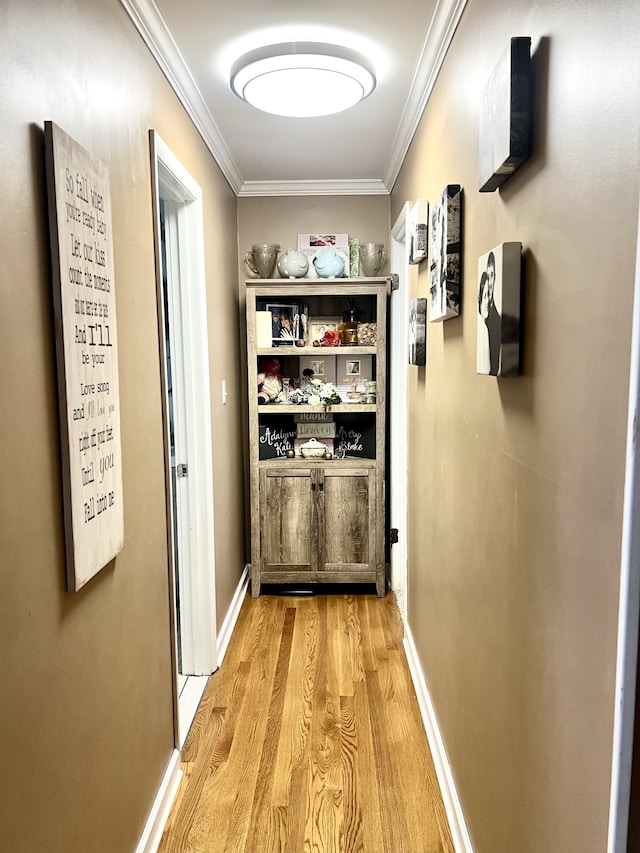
(309, 738)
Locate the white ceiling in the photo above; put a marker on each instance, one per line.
(356, 151)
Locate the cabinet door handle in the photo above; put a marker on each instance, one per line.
(321, 486)
(313, 486)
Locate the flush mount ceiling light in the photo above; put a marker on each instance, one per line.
(302, 79)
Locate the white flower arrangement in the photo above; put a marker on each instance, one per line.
(315, 393)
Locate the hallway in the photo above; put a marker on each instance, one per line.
(309, 737)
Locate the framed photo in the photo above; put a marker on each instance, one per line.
(285, 323)
(419, 231)
(418, 332)
(310, 243)
(320, 325)
(499, 301)
(505, 116)
(350, 369)
(446, 255)
(323, 365)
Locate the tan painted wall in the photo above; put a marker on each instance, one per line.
(86, 698)
(281, 219)
(515, 507)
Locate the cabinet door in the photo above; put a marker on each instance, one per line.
(346, 509)
(288, 520)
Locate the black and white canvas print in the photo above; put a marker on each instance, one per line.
(499, 298)
(418, 332)
(505, 116)
(446, 261)
(419, 231)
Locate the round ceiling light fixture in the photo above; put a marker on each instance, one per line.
(302, 79)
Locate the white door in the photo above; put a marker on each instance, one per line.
(182, 302)
(399, 356)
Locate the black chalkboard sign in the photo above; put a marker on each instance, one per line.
(355, 436)
(276, 434)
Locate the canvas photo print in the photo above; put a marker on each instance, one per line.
(418, 332)
(499, 305)
(419, 231)
(505, 116)
(446, 261)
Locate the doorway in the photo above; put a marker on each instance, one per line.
(398, 406)
(187, 428)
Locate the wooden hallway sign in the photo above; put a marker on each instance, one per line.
(86, 355)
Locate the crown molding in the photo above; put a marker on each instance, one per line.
(293, 188)
(147, 19)
(153, 29)
(446, 18)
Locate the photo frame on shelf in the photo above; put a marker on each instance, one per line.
(446, 255)
(505, 116)
(285, 323)
(323, 365)
(419, 231)
(319, 325)
(418, 332)
(350, 368)
(309, 244)
(499, 311)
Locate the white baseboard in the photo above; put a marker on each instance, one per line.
(188, 704)
(224, 635)
(159, 814)
(457, 825)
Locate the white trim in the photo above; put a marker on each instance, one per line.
(164, 799)
(453, 808)
(198, 618)
(225, 632)
(398, 419)
(307, 188)
(193, 691)
(146, 18)
(629, 604)
(446, 18)
(189, 702)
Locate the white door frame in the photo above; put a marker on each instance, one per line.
(629, 604)
(186, 299)
(398, 417)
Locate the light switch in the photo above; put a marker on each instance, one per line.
(224, 392)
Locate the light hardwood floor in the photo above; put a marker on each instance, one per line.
(309, 738)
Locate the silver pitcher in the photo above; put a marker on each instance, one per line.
(372, 258)
(261, 260)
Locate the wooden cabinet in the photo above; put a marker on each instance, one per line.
(319, 520)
